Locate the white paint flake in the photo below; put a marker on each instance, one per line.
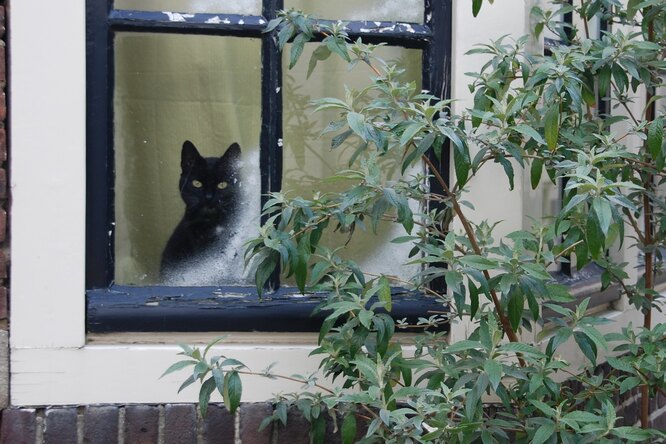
(241, 22)
(214, 20)
(226, 21)
(378, 24)
(177, 17)
(280, 143)
(408, 27)
(262, 21)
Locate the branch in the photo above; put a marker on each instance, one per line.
(506, 325)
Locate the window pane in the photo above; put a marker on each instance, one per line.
(170, 89)
(385, 10)
(244, 7)
(308, 158)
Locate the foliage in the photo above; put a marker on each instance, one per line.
(534, 112)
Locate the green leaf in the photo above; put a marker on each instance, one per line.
(318, 430)
(604, 213)
(587, 346)
(631, 433)
(476, 7)
(477, 262)
(233, 390)
(580, 416)
(189, 381)
(544, 433)
(384, 292)
(338, 46)
(178, 366)
(535, 172)
(655, 137)
(595, 238)
(508, 169)
(410, 132)
(473, 299)
(518, 347)
(515, 309)
(348, 429)
(632, 9)
(218, 375)
(285, 34)
(297, 49)
(620, 364)
(536, 270)
(357, 124)
(604, 80)
(321, 53)
(462, 166)
(552, 125)
(629, 383)
(529, 131)
(494, 371)
(264, 271)
(340, 138)
(207, 388)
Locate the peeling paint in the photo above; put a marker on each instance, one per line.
(241, 22)
(177, 17)
(280, 143)
(262, 21)
(226, 21)
(408, 27)
(214, 20)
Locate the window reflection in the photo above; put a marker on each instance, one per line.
(170, 89)
(308, 158)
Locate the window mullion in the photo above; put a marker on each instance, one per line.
(270, 157)
(437, 80)
(99, 174)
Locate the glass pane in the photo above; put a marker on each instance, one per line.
(383, 10)
(171, 89)
(308, 158)
(244, 7)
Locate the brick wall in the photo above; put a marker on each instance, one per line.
(163, 424)
(182, 424)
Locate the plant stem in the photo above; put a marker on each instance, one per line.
(649, 255)
(506, 325)
(288, 378)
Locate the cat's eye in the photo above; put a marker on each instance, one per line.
(196, 184)
(222, 185)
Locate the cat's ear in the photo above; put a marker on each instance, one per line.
(232, 155)
(189, 156)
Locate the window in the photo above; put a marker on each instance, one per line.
(54, 358)
(200, 71)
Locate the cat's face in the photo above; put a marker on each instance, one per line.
(209, 185)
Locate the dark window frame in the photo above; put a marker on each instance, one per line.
(115, 308)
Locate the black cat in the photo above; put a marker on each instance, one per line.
(210, 188)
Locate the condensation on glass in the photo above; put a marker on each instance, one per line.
(382, 10)
(170, 89)
(308, 158)
(243, 7)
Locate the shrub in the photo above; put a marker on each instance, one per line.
(530, 111)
